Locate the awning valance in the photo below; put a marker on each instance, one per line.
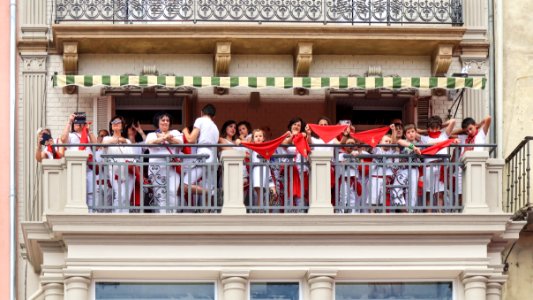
(272, 82)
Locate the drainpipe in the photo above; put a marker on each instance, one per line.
(492, 88)
(498, 39)
(12, 101)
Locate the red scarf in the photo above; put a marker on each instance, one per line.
(470, 139)
(371, 137)
(328, 133)
(266, 149)
(300, 141)
(84, 139)
(433, 150)
(52, 150)
(186, 150)
(434, 135)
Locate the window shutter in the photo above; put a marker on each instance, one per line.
(102, 107)
(423, 112)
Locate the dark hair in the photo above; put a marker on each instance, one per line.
(138, 137)
(467, 122)
(434, 121)
(296, 120)
(209, 110)
(323, 118)
(408, 127)
(123, 133)
(159, 116)
(225, 126)
(247, 124)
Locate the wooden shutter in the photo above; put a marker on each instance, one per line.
(103, 112)
(423, 112)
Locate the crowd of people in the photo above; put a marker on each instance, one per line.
(382, 177)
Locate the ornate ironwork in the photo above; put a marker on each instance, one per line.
(311, 11)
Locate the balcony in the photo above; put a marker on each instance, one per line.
(443, 12)
(145, 183)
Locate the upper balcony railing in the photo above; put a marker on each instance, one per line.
(328, 182)
(262, 11)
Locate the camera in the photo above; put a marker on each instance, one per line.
(345, 122)
(80, 118)
(45, 138)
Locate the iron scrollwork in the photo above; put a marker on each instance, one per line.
(310, 11)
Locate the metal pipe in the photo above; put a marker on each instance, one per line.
(499, 75)
(492, 62)
(12, 102)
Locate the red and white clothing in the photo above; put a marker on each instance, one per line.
(122, 180)
(432, 182)
(379, 173)
(479, 139)
(161, 176)
(209, 134)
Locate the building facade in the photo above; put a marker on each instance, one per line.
(67, 253)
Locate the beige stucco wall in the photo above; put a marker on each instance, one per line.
(518, 122)
(518, 73)
(520, 260)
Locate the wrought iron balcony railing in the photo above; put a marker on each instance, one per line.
(261, 11)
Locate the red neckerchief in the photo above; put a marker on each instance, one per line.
(300, 141)
(434, 135)
(52, 150)
(329, 132)
(371, 137)
(266, 149)
(470, 140)
(84, 139)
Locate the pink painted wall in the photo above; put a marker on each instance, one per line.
(4, 150)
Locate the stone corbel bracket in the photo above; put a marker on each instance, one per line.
(303, 56)
(222, 58)
(70, 63)
(442, 59)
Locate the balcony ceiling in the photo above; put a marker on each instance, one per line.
(255, 38)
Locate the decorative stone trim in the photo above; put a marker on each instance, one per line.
(222, 58)
(303, 57)
(442, 59)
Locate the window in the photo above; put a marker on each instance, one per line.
(154, 291)
(274, 291)
(143, 109)
(394, 291)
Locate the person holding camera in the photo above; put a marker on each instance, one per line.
(77, 131)
(45, 149)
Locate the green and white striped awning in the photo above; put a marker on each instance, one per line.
(477, 83)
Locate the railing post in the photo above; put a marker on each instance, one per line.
(76, 181)
(320, 183)
(494, 186)
(474, 182)
(54, 197)
(232, 182)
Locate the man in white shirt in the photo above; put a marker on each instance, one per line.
(204, 132)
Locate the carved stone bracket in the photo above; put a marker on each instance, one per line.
(474, 58)
(70, 62)
(222, 58)
(303, 57)
(33, 62)
(442, 59)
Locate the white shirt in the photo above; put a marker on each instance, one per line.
(75, 138)
(117, 150)
(383, 165)
(320, 141)
(479, 139)
(164, 149)
(425, 139)
(208, 135)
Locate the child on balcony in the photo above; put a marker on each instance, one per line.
(381, 171)
(349, 186)
(261, 176)
(406, 175)
(433, 184)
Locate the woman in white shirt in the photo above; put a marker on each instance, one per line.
(122, 181)
(165, 179)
